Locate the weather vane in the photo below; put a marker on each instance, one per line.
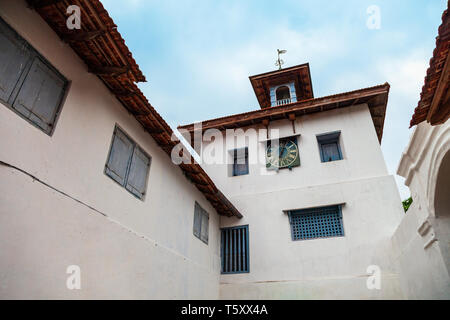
(280, 62)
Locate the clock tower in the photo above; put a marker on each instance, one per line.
(318, 201)
(281, 88)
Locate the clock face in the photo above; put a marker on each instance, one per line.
(283, 156)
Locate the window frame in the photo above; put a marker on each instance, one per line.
(235, 159)
(246, 246)
(134, 146)
(202, 214)
(33, 55)
(329, 138)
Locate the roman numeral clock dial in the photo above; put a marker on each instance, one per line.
(285, 155)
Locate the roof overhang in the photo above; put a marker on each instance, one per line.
(375, 97)
(301, 75)
(434, 104)
(102, 48)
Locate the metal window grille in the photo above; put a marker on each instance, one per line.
(234, 250)
(316, 223)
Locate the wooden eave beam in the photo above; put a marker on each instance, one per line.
(434, 116)
(125, 94)
(37, 4)
(108, 70)
(81, 36)
(295, 107)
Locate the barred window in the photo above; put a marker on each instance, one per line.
(314, 223)
(234, 250)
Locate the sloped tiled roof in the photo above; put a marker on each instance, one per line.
(434, 103)
(99, 44)
(376, 97)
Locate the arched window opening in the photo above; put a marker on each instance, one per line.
(283, 95)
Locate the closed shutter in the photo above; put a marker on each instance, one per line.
(330, 152)
(197, 220)
(40, 95)
(137, 178)
(14, 56)
(205, 227)
(119, 157)
(240, 166)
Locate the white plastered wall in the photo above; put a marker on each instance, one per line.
(421, 242)
(142, 249)
(333, 268)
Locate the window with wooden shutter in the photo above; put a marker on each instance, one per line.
(29, 85)
(329, 146)
(40, 95)
(201, 223)
(240, 162)
(137, 177)
(235, 250)
(14, 56)
(128, 164)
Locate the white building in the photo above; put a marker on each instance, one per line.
(88, 186)
(425, 165)
(321, 214)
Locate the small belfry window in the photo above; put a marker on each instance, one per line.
(29, 84)
(128, 164)
(314, 223)
(329, 146)
(283, 93)
(240, 162)
(201, 223)
(234, 250)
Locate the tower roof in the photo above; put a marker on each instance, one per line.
(300, 75)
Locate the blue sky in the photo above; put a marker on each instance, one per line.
(197, 55)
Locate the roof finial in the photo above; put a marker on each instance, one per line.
(280, 62)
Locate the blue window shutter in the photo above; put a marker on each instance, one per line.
(40, 95)
(330, 152)
(14, 57)
(329, 146)
(240, 162)
(119, 157)
(138, 172)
